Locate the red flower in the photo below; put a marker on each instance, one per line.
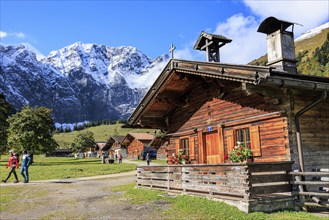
(238, 153)
(241, 148)
(226, 156)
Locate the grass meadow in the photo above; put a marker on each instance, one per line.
(193, 207)
(101, 133)
(47, 168)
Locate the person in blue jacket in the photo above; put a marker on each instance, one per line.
(26, 161)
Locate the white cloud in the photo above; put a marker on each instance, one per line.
(306, 12)
(3, 34)
(247, 44)
(19, 35)
(13, 34)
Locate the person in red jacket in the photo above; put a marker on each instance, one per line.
(13, 164)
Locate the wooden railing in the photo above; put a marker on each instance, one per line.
(315, 188)
(236, 181)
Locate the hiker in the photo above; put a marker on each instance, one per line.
(26, 161)
(148, 159)
(120, 158)
(13, 164)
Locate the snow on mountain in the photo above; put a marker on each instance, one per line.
(79, 82)
(312, 32)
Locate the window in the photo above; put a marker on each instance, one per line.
(242, 136)
(248, 135)
(184, 145)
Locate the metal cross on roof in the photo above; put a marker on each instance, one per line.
(172, 48)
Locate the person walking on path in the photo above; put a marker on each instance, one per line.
(120, 158)
(148, 159)
(26, 161)
(13, 164)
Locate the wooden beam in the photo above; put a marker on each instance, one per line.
(206, 45)
(153, 122)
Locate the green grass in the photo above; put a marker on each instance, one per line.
(45, 168)
(101, 133)
(190, 207)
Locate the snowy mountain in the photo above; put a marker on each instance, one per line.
(79, 82)
(312, 32)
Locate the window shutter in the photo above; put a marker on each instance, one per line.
(255, 141)
(177, 145)
(191, 146)
(200, 145)
(230, 140)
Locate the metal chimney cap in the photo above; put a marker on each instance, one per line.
(272, 24)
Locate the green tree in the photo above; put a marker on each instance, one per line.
(83, 141)
(32, 129)
(4, 111)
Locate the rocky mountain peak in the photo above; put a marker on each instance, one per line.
(80, 81)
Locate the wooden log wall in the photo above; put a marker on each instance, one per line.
(207, 107)
(314, 131)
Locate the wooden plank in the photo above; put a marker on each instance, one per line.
(215, 188)
(269, 178)
(253, 167)
(176, 185)
(152, 182)
(320, 194)
(214, 169)
(320, 183)
(214, 178)
(152, 168)
(153, 175)
(270, 189)
(309, 173)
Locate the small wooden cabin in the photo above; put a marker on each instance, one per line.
(102, 149)
(136, 143)
(207, 107)
(116, 145)
(160, 144)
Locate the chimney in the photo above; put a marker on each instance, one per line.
(280, 44)
(211, 44)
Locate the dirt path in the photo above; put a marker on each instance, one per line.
(83, 198)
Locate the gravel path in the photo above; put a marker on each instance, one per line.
(81, 198)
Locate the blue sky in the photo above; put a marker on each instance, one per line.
(152, 26)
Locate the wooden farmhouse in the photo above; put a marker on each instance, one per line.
(160, 144)
(136, 143)
(116, 146)
(101, 148)
(206, 108)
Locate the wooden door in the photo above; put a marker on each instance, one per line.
(211, 148)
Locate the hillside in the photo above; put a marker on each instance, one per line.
(101, 133)
(305, 54)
